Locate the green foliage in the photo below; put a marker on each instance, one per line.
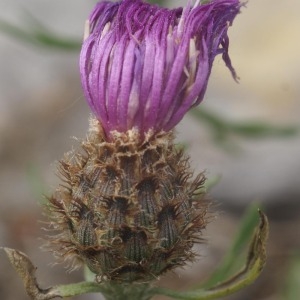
(40, 36)
(223, 129)
(233, 260)
(291, 289)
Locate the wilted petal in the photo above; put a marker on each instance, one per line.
(144, 66)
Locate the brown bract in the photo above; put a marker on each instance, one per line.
(129, 209)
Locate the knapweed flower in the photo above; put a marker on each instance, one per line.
(129, 208)
(144, 67)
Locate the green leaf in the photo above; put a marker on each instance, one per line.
(40, 36)
(27, 271)
(223, 129)
(292, 285)
(261, 130)
(241, 241)
(252, 269)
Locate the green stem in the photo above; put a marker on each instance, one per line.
(128, 291)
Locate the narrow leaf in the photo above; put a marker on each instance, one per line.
(253, 267)
(291, 289)
(241, 241)
(222, 128)
(27, 271)
(38, 37)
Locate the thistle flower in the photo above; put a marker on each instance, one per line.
(144, 67)
(130, 209)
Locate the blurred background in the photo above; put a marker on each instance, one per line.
(244, 135)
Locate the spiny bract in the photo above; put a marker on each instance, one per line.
(129, 210)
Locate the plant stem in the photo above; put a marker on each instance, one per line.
(128, 291)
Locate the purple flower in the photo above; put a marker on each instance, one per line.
(144, 67)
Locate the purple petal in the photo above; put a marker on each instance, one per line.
(145, 66)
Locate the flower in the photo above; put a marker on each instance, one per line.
(129, 208)
(144, 67)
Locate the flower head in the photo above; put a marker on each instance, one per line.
(144, 67)
(129, 208)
